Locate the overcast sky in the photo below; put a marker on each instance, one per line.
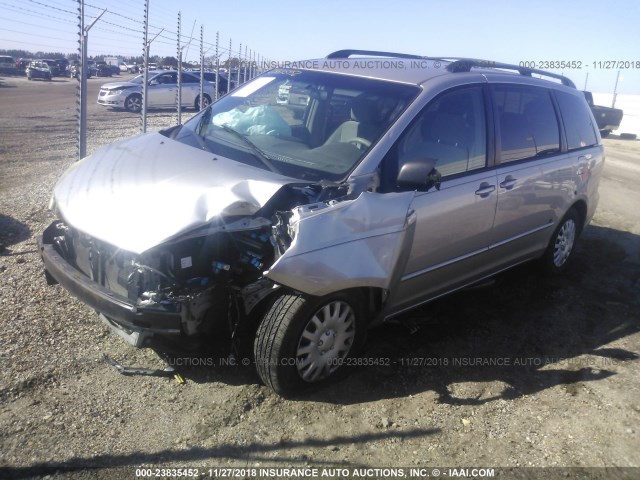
(594, 35)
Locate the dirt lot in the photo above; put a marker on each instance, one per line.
(563, 390)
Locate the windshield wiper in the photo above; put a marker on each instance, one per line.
(256, 150)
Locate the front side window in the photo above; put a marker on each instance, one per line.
(450, 130)
(305, 124)
(165, 79)
(138, 79)
(577, 121)
(527, 122)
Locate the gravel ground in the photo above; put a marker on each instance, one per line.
(563, 390)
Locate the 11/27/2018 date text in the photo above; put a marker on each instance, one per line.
(579, 64)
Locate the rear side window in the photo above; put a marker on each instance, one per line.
(527, 121)
(186, 78)
(577, 121)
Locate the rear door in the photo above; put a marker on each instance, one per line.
(190, 89)
(584, 148)
(453, 224)
(531, 174)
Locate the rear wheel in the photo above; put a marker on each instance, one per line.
(133, 103)
(205, 103)
(562, 243)
(302, 342)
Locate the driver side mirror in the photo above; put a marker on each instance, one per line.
(420, 174)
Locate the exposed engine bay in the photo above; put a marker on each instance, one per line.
(212, 276)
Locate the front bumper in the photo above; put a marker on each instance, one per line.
(111, 101)
(136, 323)
(44, 76)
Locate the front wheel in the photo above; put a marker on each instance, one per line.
(562, 243)
(133, 103)
(302, 342)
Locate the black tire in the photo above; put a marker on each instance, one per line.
(205, 104)
(133, 103)
(604, 133)
(283, 351)
(562, 244)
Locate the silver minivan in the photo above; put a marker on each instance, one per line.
(402, 179)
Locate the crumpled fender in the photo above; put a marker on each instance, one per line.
(354, 243)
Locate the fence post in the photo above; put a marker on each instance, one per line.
(145, 67)
(84, 45)
(179, 75)
(217, 66)
(229, 75)
(200, 107)
(82, 121)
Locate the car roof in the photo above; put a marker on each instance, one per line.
(413, 69)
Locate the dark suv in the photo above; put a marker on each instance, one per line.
(62, 67)
(53, 66)
(296, 224)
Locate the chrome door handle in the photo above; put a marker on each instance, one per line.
(485, 189)
(509, 182)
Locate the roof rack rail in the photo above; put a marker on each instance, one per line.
(371, 53)
(465, 65)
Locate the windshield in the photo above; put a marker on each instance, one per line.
(308, 125)
(137, 79)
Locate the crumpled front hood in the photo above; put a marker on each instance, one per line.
(137, 193)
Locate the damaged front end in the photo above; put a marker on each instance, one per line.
(202, 285)
(184, 288)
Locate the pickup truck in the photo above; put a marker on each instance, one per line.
(608, 119)
(130, 68)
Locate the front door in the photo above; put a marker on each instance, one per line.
(454, 223)
(162, 90)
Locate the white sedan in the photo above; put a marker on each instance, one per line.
(161, 92)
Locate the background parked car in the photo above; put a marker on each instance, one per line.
(92, 70)
(38, 69)
(607, 118)
(7, 65)
(74, 71)
(102, 69)
(130, 68)
(22, 64)
(62, 65)
(54, 66)
(211, 77)
(161, 92)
